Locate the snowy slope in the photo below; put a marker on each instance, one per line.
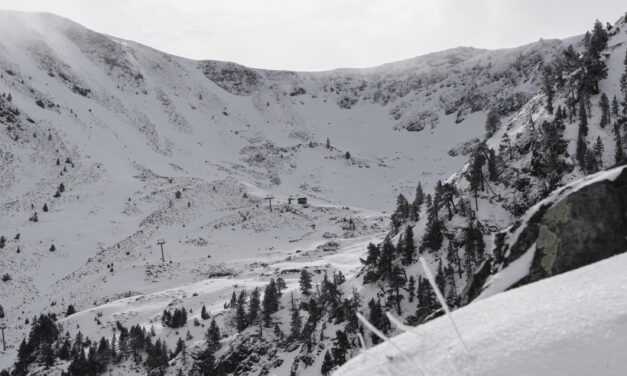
(532, 330)
(131, 126)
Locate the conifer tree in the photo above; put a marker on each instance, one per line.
(372, 256)
(204, 363)
(241, 317)
(377, 318)
(433, 236)
(386, 258)
(213, 336)
(615, 107)
(598, 149)
(548, 83)
(254, 304)
(327, 364)
(203, 313)
(411, 289)
(493, 122)
(417, 203)
(341, 345)
(583, 118)
(452, 256)
(409, 247)
(506, 143)
(270, 303)
(619, 155)
(70, 310)
(605, 111)
(581, 151)
(305, 282)
(594, 68)
(233, 302)
(440, 277)
(295, 321)
(397, 282)
(493, 172)
(401, 214)
(181, 348)
(474, 174)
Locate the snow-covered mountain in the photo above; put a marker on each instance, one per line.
(108, 146)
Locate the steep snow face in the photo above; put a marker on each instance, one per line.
(532, 330)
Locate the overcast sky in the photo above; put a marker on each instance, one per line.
(325, 34)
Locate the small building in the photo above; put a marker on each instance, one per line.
(302, 201)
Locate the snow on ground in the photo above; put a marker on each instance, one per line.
(531, 330)
(131, 126)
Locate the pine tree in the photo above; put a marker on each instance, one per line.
(204, 363)
(605, 111)
(619, 155)
(372, 256)
(433, 236)
(203, 313)
(594, 68)
(599, 148)
(397, 282)
(548, 83)
(270, 303)
(327, 364)
(411, 289)
(414, 209)
(506, 143)
(493, 161)
(591, 162)
(254, 304)
(440, 278)
(452, 256)
(474, 174)
(581, 151)
(241, 317)
(493, 122)
(615, 107)
(280, 286)
(401, 214)
(213, 336)
(70, 310)
(409, 247)
(386, 258)
(378, 319)
(233, 302)
(305, 282)
(583, 118)
(295, 321)
(181, 348)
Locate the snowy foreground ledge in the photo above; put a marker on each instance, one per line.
(571, 324)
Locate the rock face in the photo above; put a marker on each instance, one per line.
(582, 227)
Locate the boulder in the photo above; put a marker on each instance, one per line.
(580, 224)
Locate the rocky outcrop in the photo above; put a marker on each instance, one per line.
(579, 225)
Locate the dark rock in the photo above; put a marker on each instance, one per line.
(583, 227)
